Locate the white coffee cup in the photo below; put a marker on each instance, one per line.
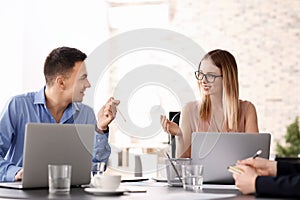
(107, 182)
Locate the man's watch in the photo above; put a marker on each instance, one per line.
(98, 130)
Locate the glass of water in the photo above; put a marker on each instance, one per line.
(192, 177)
(59, 177)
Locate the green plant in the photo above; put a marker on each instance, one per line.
(292, 139)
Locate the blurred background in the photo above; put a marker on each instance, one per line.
(262, 35)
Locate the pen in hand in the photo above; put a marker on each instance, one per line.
(237, 170)
(257, 154)
(123, 117)
(116, 103)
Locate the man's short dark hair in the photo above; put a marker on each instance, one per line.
(61, 61)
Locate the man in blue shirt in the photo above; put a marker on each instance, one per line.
(58, 102)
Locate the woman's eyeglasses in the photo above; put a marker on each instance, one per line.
(210, 78)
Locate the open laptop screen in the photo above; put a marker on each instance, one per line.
(217, 151)
(45, 144)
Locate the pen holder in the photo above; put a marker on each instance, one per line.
(172, 177)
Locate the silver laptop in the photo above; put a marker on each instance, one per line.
(55, 144)
(217, 151)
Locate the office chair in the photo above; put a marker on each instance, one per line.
(174, 116)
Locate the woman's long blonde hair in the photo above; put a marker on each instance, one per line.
(225, 61)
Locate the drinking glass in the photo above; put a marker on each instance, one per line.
(59, 177)
(192, 177)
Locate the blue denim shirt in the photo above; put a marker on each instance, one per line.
(31, 107)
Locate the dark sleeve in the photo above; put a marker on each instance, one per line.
(284, 185)
(286, 168)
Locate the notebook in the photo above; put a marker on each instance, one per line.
(55, 144)
(217, 151)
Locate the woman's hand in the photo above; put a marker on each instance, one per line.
(170, 127)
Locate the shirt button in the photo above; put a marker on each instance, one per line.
(98, 140)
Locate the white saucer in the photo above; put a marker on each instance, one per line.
(99, 191)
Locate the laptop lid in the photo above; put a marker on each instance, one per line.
(217, 151)
(45, 144)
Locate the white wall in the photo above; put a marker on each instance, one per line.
(263, 36)
(31, 29)
(11, 52)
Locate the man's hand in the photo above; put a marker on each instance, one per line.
(245, 181)
(19, 175)
(107, 113)
(263, 167)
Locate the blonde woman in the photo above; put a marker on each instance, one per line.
(219, 110)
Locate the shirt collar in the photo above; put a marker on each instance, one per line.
(40, 98)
